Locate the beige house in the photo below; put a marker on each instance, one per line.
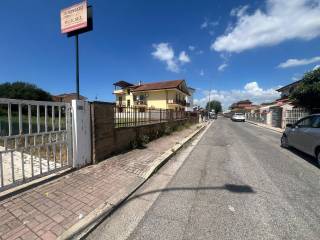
(164, 95)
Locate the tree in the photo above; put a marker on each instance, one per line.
(22, 90)
(307, 93)
(214, 105)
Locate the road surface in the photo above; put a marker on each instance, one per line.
(235, 183)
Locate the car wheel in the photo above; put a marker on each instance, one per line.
(284, 141)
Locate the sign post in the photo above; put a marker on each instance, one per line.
(77, 66)
(75, 20)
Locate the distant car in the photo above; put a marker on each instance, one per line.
(238, 117)
(304, 135)
(212, 115)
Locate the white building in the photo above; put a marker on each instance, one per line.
(189, 99)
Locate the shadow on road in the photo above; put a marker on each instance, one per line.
(229, 187)
(304, 156)
(234, 188)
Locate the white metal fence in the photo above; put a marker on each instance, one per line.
(292, 116)
(35, 140)
(257, 117)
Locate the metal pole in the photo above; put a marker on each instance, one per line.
(77, 66)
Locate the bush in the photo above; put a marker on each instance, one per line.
(167, 130)
(144, 139)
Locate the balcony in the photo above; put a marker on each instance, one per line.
(118, 91)
(178, 102)
(140, 103)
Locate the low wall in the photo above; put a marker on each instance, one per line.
(108, 140)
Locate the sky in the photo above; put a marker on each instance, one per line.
(232, 49)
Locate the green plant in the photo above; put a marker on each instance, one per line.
(307, 93)
(134, 144)
(167, 130)
(144, 139)
(214, 105)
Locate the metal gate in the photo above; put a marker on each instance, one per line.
(293, 115)
(276, 116)
(35, 140)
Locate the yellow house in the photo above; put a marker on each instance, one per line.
(164, 95)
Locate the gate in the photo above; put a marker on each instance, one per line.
(293, 115)
(35, 140)
(276, 116)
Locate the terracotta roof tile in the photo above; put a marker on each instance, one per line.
(159, 85)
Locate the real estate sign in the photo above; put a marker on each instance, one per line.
(74, 17)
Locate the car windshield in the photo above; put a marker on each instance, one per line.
(238, 114)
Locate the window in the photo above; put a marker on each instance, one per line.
(128, 103)
(305, 122)
(120, 100)
(315, 122)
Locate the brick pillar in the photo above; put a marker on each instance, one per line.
(103, 130)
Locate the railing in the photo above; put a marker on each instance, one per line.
(135, 116)
(177, 101)
(140, 102)
(292, 116)
(257, 117)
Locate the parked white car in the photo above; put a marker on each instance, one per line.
(238, 117)
(304, 135)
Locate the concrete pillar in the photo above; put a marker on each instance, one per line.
(81, 133)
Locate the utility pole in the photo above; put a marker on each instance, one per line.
(77, 67)
(210, 87)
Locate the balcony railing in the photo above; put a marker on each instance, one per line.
(140, 102)
(178, 101)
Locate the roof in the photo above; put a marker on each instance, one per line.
(244, 101)
(162, 85)
(289, 85)
(123, 84)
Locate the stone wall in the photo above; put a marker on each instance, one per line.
(108, 140)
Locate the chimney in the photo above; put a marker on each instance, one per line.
(140, 82)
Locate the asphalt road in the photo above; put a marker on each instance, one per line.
(235, 183)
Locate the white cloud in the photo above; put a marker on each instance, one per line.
(250, 91)
(298, 62)
(282, 20)
(222, 67)
(201, 73)
(184, 58)
(239, 11)
(204, 24)
(191, 48)
(316, 67)
(165, 53)
(209, 25)
(296, 77)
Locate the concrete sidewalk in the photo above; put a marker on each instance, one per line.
(63, 207)
(279, 130)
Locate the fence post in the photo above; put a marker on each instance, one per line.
(81, 133)
(135, 115)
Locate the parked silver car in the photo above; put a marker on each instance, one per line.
(304, 135)
(238, 117)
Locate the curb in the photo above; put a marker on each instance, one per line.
(85, 225)
(262, 126)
